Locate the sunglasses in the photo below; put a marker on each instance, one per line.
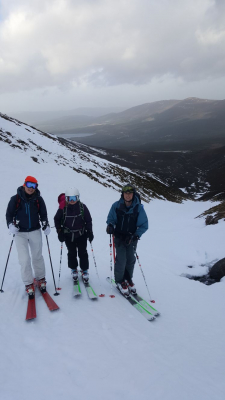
(72, 198)
(128, 192)
(31, 185)
(128, 189)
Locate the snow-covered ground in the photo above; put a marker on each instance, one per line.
(106, 349)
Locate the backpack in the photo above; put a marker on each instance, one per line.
(62, 205)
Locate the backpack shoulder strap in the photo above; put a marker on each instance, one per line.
(81, 209)
(38, 204)
(63, 217)
(18, 201)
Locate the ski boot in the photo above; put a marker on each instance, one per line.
(42, 285)
(131, 287)
(123, 288)
(74, 274)
(85, 276)
(30, 290)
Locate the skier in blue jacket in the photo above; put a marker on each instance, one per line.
(127, 221)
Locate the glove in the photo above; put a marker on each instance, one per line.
(61, 236)
(46, 228)
(110, 229)
(13, 229)
(90, 236)
(135, 237)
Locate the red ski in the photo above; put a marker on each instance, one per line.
(31, 309)
(47, 298)
(49, 301)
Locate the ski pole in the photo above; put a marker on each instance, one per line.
(110, 246)
(114, 251)
(152, 301)
(56, 293)
(60, 266)
(101, 295)
(7, 264)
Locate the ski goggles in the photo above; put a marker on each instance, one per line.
(128, 189)
(32, 185)
(72, 198)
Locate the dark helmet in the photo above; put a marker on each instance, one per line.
(128, 188)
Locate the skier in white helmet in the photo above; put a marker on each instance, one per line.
(73, 223)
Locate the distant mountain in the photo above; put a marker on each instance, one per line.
(52, 118)
(190, 124)
(64, 124)
(21, 141)
(198, 173)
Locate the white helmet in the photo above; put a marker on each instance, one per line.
(72, 191)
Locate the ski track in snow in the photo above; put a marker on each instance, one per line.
(105, 348)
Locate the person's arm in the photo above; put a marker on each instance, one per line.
(10, 211)
(112, 216)
(58, 219)
(43, 211)
(142, 222)
(87, 219)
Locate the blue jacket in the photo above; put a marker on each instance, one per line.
(29, 210)
(128, 220)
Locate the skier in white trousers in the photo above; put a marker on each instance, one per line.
(24, 213)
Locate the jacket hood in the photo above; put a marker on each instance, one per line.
(133, 204)
(21, 193)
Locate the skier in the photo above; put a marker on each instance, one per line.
(23, 215)
(127, 221)
(73, 224)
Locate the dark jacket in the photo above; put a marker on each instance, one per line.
(74, 219)
(28, 210)
(128, 220)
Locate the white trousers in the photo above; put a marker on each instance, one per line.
(32, 240)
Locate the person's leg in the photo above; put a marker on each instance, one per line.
(82, 252)
(72, 254)
(120, 262)
(130, 260)
(21, 240)
(35, 243)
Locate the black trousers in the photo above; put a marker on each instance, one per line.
(78, 246)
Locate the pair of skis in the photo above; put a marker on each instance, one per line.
(31, 305)
(146, 309)
(149, 312)
(89, 289)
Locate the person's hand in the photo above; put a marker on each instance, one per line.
(13, 229)
(90, 236)
(135, 237)
(110, 229)
(61, 236)
(46, 228)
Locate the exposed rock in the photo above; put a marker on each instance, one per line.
(217, 272)
(210, 220)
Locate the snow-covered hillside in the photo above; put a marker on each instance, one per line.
(106, 349)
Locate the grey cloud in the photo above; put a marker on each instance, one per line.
(62, 43)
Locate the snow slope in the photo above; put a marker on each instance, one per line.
(106, 349)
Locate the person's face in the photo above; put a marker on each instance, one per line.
(72, 202)
(29, 190)
(128, 196)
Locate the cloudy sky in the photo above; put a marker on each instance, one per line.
(63, 54)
